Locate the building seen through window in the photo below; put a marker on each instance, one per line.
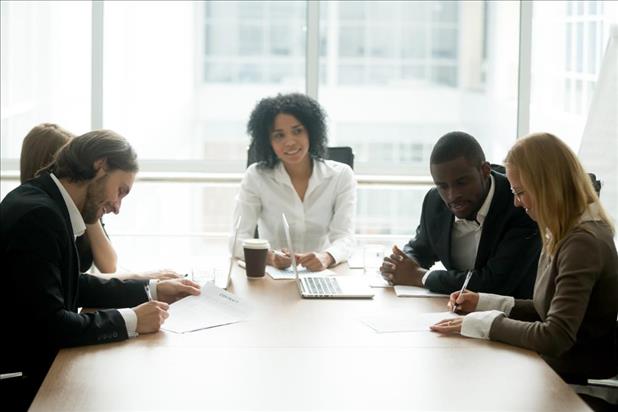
(181, 78)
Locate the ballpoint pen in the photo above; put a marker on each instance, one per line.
(463, 287)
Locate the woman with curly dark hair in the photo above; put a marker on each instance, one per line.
(291, 176)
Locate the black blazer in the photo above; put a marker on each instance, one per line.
(84, 250)
(507, 255)
(42, 287)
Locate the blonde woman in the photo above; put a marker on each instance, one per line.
(571, 319)
(37, 151)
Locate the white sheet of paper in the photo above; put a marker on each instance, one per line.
(356, 260)
(213, 307)
(376, 280)
(288, 273)
(416, 292)
(419, 322)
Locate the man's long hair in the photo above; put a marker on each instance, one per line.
(75, 161)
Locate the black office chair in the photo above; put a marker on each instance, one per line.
(497, 168)
(342, 154)
(595, 182)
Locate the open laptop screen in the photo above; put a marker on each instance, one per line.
(288, 238)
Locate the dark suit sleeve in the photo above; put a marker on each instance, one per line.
(510, 270)
(419, 247)
(86, 259)
(38, 251)
(95, 292)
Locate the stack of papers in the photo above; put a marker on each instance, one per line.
(406, 323)
(416, 292)
(288, 273)
(213, 307)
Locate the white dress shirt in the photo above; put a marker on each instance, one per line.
(322, 222)
(79, 227)
(466, 235)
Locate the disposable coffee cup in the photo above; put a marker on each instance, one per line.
(256, 251)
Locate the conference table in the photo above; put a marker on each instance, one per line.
(301, 354)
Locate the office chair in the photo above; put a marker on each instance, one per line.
(498, 168)
(595, 182)
(342, 154)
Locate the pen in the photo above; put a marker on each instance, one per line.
(11, 375)
(147, 290)
(463, 287)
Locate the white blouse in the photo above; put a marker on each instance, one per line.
(323, 222)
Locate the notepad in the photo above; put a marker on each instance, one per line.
(288, 273)
(213, 307)
(416, 292)
(416, 322)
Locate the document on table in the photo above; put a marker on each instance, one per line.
(356, 261)
(288, 273)
(416, 292)
(417, 322)
(213, 307)
(376, 280)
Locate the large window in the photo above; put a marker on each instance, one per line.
(45, 68)
(395, 76)
(569, 43)
(569, 40)
(179, 80)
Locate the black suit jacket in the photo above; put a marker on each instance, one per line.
(42, 287)
(507, 255)
(84, 250)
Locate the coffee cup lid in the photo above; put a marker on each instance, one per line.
(256, 244)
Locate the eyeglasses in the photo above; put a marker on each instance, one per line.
(518, 194)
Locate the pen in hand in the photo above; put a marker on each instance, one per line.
(463, 287)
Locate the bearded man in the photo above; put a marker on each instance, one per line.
(42, 287)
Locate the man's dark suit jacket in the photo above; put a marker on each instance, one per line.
(42, 287)
(508, 252)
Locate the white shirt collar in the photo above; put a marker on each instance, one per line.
(592, 212)
(321, 170)
(77, 221)
(484, 210)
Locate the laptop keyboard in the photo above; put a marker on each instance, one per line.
(321, 285)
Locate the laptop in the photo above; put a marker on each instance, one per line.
(223, 282)
(326, 287)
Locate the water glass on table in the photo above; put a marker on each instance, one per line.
(373, 255)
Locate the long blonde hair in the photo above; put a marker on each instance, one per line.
(39, 147)
(561, 188)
